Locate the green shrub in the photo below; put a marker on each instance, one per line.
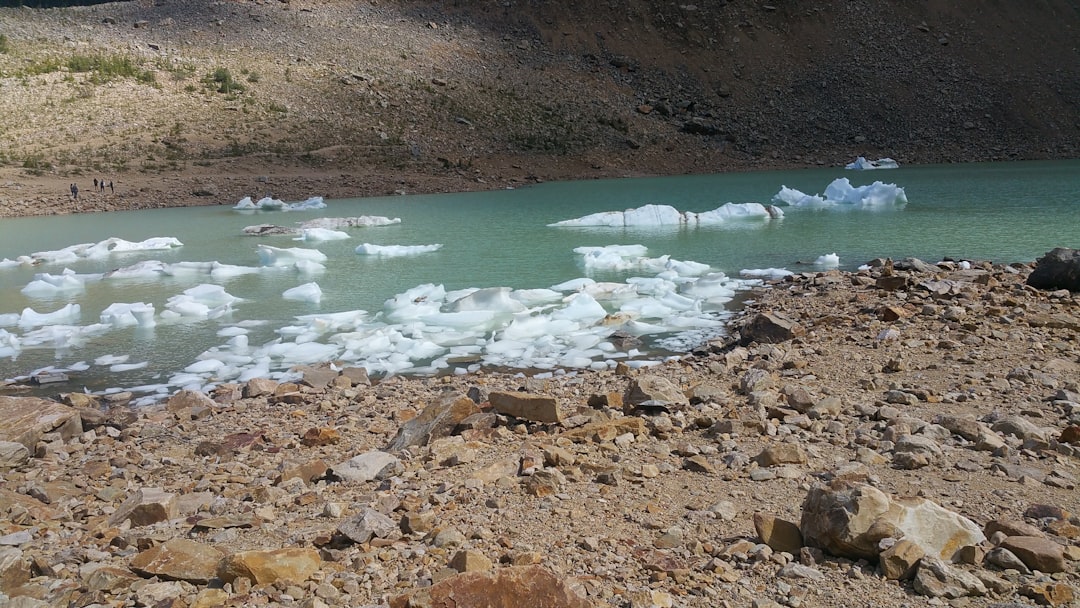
(222, 81)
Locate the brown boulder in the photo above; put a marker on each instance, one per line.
(25, 419)
(1037, 553)
(179, 559)
(437, 420)
(527, 406)
(267, 566)
(512, 587)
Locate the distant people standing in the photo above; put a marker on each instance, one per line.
(74, 191)
(111, 190)
(95, 183)
(101, 182)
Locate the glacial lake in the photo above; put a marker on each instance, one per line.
(402, 314)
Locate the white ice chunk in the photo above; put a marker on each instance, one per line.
(841, 192)
(829, 260)
(9, 344)
(121, 314)
(68, 314)
(336, 223)
(45, 284)
(496, 299)
(308, 292)
(580, 307)
(396, 250)
(861, 164)
(311, 204)
(321, 234)
(127, 367)
(666, 215)
(278, 256)
(574, 284)
(765, 273)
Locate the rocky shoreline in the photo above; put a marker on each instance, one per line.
(903, 435)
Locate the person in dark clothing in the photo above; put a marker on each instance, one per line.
(111, 190)
(74, 191)
(95, 183)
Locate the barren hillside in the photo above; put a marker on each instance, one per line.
(193, 102)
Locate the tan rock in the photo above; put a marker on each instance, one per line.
(267, 566)
(780, 534)
(211, 598)
(847, 519)
(468, 560)
(110, 578)
(1037, 553)
(25, 419)
(14, 569)
(145, 507)
(655, 391)
(437, 420)
(607, 430)
(899, 561)
(781, 453)
(188, 400)
(260, 387)
(527, 406)
(179, 559)
(531, 586)
(1049, 593)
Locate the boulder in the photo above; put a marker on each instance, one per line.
(527, 406)
(847, 519)
(368, 524)
(369, 466)
(188, 400)
(770, 328)
(779, 534)
(145, 507)
(13, 454)
(26, 419)
(781, 453)
(14, 568)
(437, 420)
(1037, 553)
(179, 559)
(654, 391)
(935, 578)
(899, 561)
(1057, 269)
(532, 586)
(262, 567)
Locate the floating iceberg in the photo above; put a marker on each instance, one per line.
(201, 302)
(308, 292)
(861, 164)
(337, 223)
(841, 192)
(321, 234)
(45, 284)
(124, 315)
(666, 215)
(277, 256)
(829, 260)
(269, 203)
(395, 250)
(101, 249)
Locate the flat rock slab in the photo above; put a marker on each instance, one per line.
(25, 419)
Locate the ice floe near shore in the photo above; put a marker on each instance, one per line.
(840, 192)
(861, 164)
(666, 215)
(579, 324)
(321, 224)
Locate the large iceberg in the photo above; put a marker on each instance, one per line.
(841, 192)
(666, 215)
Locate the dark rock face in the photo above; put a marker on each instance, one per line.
(1058, 269)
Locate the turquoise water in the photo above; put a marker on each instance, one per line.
(1003, 212)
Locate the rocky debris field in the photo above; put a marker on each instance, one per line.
(906, 435)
